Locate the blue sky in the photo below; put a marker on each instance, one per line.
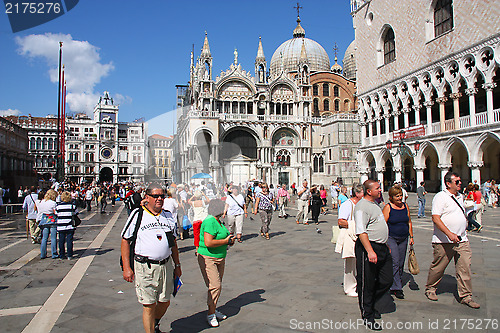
(139, 50)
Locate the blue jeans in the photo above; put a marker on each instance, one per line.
(46, 231)
(398, 248)
(66, 236)
(421, 207)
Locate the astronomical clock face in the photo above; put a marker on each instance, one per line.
(106, 153)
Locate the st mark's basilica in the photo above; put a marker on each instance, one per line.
(294, 119)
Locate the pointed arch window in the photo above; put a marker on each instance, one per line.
(326, 89)
(443, 17)
(389, 46)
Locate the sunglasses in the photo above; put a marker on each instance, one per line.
(156, 196)
(458, 182)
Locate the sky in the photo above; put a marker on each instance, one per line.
(139, 50)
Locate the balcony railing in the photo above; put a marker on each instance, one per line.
(449, 125)
(482, 118)
(464, 121)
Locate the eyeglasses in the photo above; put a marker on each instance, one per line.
(156, 196)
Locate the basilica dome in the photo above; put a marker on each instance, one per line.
(289, 53)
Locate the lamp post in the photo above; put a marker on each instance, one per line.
(402, 149)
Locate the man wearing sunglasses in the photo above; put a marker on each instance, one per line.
(156, 254)
(450, 241)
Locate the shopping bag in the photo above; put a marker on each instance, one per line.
(412, 262)
(186, 223)
(335, 233)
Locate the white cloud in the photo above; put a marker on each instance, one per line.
(83, 67)
(10, 112)
(120, 99)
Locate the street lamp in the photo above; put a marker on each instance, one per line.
(402, 148)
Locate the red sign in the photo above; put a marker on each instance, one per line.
(410, 132)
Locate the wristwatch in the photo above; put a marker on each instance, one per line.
(178, 265)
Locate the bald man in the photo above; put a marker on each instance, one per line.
(373, 258)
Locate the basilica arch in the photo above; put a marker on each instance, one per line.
(203, 142)
(486, 157)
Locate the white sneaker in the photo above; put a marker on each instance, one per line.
(212, 320)
(353, 294)
(219, 315)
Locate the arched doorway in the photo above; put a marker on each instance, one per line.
(204, 147)
(491, 159)
(408, 172)
(459, 158)
(106, 175)
(431, 173)
(238, 154)
(389, 176)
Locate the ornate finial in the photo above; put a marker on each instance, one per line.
(335, 49)
(235, 56)
(298, 7)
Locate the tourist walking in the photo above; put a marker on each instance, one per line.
(48, 223)
(264, 203)
(470, 209)
(235, 209)
(212, 252)
(156, 252)
(303, 202)
(347, 239)
(450, 241)
(421, 192)
(323, 194)
(373, 259)
(478, 199)
(199, 206)
(30, 207)
(342, 196)
(65, 210)
(315, 203)
(283, 199)
(334, 192)
(397, 216)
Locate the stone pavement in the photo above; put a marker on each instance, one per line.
(291, 282)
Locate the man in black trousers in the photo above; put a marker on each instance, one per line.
(373, 258)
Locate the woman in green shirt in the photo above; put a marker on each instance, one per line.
(214, 240)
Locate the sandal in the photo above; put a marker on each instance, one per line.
(267, 236)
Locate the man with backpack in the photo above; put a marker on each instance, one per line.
(133, 199)
(149, 253)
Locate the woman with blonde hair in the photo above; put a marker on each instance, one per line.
(397, 216)
(264, 202)
(48, 223)
(65, 210)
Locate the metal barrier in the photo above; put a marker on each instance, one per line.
(12, 206)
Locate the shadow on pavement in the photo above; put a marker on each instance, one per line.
(198, 321)
(410, 280)
(186, 248)
(448, 285)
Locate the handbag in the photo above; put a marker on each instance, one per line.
(75, 220)
(335, 233)
(48, 219)
(412, 262)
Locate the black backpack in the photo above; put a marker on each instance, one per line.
(133, 238)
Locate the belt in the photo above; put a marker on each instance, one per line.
(146, 260)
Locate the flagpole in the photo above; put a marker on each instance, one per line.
(58, 148)
(63, 129)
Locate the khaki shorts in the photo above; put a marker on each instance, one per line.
(154, 284)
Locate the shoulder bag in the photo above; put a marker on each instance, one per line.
(75, 219)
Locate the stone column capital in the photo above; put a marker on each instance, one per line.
(471, 91)
(444, 166)
(456, 96)
(396, 169)
(428, 104)
(475, 164)
(442, 100)
(489, 86)
(419, 167)
(379, 170)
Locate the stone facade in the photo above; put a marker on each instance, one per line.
(104, 149)
(161, 157)
(441, 90)
(240, 127)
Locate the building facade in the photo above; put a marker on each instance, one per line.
(161, 157)
(272, 126)
(42, 136)
(431, 69)
(16, 165)
(102, 148)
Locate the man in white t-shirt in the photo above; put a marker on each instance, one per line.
(235, 209)
(155, 245)
(450, 241)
